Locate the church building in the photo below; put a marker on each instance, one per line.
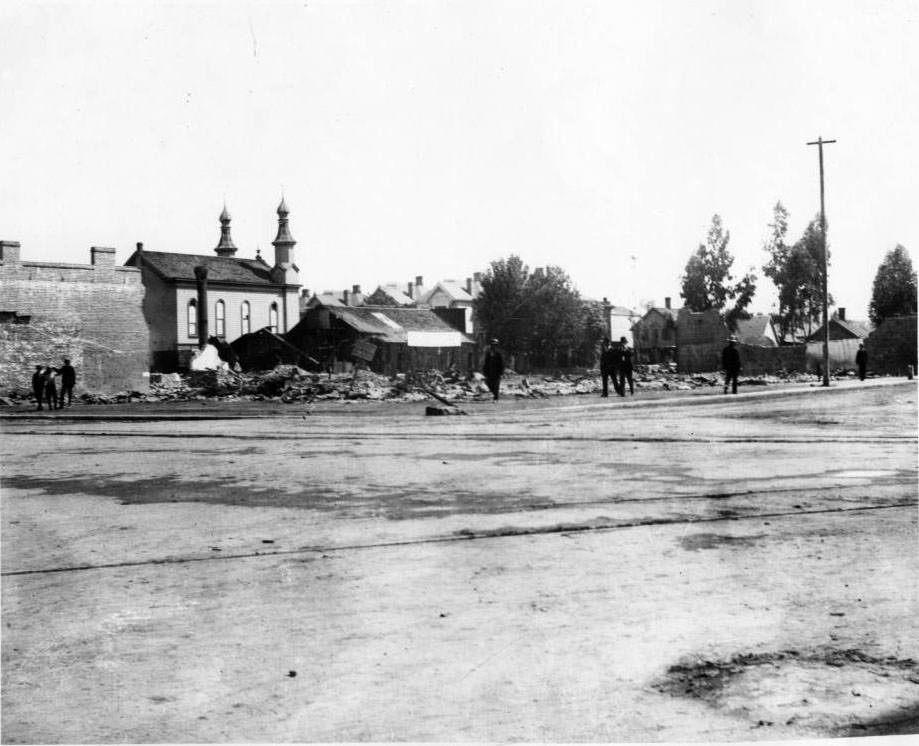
(192, 297)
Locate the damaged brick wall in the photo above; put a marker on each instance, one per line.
(892, 346)
(701, 336)
(89, 313)
(25, 343)
(704, 358)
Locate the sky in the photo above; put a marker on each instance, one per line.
(427, 137)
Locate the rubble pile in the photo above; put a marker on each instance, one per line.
(289, 383)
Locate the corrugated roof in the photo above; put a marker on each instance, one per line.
(366, 320)
(172, 266)
(859, 328)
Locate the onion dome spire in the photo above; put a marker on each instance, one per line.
(226, 247)
(284, 236)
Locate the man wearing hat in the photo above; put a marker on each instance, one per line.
(493, 368)
(730, 362)
(625, 368)
(861, 360)
(607, 366)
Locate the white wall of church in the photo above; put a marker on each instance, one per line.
(259, 311)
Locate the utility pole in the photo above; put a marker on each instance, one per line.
(820, 142)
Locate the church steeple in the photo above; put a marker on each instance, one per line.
(226, 247)
(284, 243)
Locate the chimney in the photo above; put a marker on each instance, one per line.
(477, 277)
(667, 303)
(419, 287)
(9, 251)
(469, 285)
(411, 290)
(357, 297)
(201, 281)
(841, 314)
(102, 256)
(346, 297)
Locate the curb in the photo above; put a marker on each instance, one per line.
(615, 403)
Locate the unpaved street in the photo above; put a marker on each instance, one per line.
(715, 568)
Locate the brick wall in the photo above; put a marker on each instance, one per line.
(704, 358)
(892, 346)
(701, 336)
(91, 313)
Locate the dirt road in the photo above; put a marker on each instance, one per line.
(721, 569)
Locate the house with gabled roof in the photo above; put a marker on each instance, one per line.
(192, 297)
(793, 335)
(398, 339)
(757, 330)
(842, 328)
(390, 294)
(454, 294)
(844, 338)
(620, 322)
(655, 336)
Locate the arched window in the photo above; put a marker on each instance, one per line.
(273, 318)
(244, 318)
(220, 324)
(193, 318)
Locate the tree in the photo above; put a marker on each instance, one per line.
(894, 290)
(497, 306)
(796, 271)
(707, 281)
(552, 309)
(539, 316)
(592, 327)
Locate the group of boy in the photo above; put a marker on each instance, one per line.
(44, 385)
(616, 363)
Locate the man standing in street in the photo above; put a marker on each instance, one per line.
(625, 367)
(493, 368)
(730, 362)
(861, 360)
(68, 379)
(607, 366)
